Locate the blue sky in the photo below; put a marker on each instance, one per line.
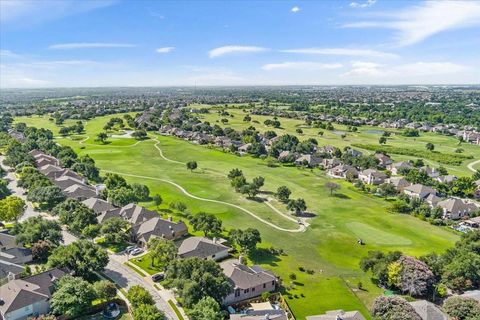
(159, 43)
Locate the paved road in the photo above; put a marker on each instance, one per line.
(125, 277)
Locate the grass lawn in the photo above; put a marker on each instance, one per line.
(114, 247)
(145, 263)
(328, 247)
(175, 309)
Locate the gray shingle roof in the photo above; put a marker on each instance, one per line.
(245, 277)
(199, 247)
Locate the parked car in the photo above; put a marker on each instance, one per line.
(158, 276)
(129, 249)
(136, 251)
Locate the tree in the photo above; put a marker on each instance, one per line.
(37, 228)
(41, 250)
(48, 196)
(382, 140)
(157, 200)
(4, 191)
(104, 290)
(393, 308)
(283, 193)
(429, 146)
(206, 309)
(114, 181)
(75, 215)
(235, 173)
(139, 134)
(415, 279)
(72, 296)
(114, 230)
(137, 295)
(147, 312)
(192, 165)
(141, 191)
(195, 278)
(332, 186)
(162, 251)
(11, 208)
(102, 137)
(122, 196)
(246, 239)
(82, 257)
(207, 223)
(297, 206)
(462, 308)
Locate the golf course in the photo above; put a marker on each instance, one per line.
(325, 245)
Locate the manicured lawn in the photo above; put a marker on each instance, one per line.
(145, 263)
(175, 309)
(328, 247)
(114, 247)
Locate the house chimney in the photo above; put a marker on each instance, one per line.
(240, 259)
(215, 240)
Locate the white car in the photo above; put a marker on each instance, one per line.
(136, 251)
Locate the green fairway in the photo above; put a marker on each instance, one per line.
(328, 247)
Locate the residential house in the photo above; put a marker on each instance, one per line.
(383, 160)
(454, 208)
(244, 148)
(330, 163)
(428, 311)
(28, 297)
(446, 179)
(157, 227)
(431, 172)
(9, 271)
(432, 200)
(396, 167)
(203, 248)
(80, 192)
(309, 160)
(372, 176)
(354, 153)
(327, 149)
(136, 214)
(419, 191)
(399, 183)
(343, 172)
(65, 182)
(98, 205)
(260, 311)
(338, 315)
(248, 282)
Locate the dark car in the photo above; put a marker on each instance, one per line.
(158, 276)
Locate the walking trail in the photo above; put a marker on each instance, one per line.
(471, 165)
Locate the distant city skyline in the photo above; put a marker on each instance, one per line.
(212, 43)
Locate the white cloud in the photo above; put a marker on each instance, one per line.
(418, 23)
(366, 4)
(295, 9)
(165, 49)
(304, 65)
(408, 71)
(221, 51)
(343, 52)
(87, 45)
